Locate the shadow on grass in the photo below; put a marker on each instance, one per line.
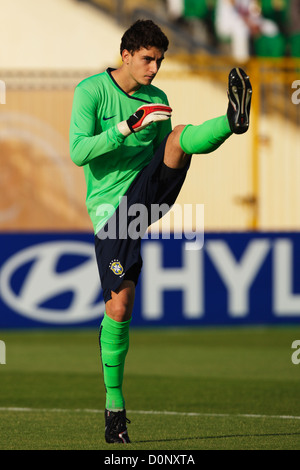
(222, 436)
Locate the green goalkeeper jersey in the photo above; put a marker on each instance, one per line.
(111, 161)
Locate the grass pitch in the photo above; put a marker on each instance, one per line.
(206, 388)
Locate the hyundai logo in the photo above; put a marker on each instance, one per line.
(43, 276)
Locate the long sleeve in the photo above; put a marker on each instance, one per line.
(84, 145)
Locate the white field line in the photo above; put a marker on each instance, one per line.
(141, 412)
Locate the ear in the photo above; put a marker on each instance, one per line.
(125, 56)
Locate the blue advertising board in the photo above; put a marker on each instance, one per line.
(51, 280)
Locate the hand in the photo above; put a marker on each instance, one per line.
(144, 116)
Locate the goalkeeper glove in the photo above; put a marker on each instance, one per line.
(144, 116)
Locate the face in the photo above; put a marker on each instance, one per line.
(143, 65)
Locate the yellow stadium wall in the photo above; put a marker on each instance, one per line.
(250, 183)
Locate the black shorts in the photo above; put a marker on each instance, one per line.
(119, 258)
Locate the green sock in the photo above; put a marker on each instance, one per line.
(114, 344)
(205, 138)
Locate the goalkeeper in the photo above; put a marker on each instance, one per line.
(121, 134)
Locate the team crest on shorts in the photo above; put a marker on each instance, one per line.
(116, 267)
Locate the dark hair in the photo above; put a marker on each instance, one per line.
(143, 33)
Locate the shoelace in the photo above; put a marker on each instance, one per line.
(118, 422)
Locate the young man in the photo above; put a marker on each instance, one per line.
(121, 134)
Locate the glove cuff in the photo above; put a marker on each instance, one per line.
(124, 128)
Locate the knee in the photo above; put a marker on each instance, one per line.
(120, 306)
(175, 156)
(176, 132)
(173, 142)
(120, 311)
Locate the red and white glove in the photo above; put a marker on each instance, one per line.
(144, 116)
